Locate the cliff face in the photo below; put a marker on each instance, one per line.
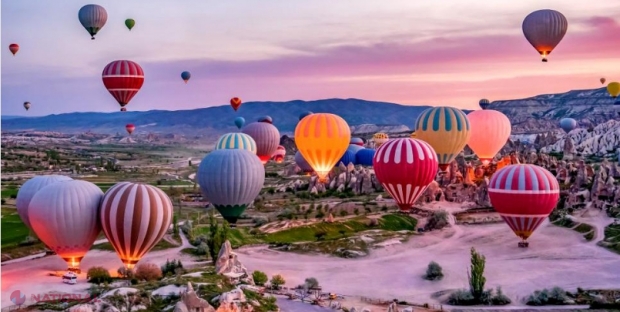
(602, 140)
(542, 113)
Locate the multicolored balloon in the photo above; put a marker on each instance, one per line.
(322, 139)
(278, 156)
(405, 167)
(134, 218)
(130, 23)
(64, 215)
(239, 122)
(446, 129)
(130, 128)
(267, 139)
(93, 17)
(568, 124)
(14, 47)
(490, 131)
(544, 29)
(524, 195)
(484, 103)
(380, 138)
(236, 141)
(186, 76)
(27, 105)
(31, 187)
(123, 79)
(235, 103)
(231, 179)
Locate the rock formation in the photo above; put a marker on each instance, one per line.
(229, 265)
(191, 302)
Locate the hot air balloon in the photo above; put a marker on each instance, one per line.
(603, 80)
(236, 141)
(446, 129)
(304, 114)
(123, 79)
(490, 131)
(185, 76)
(31, 187)
(354, 148)
(14, 47)
(347, 157)
(130, 23)
(27, 105)
(231, 179)
(524, 195)
(134, 218)
(413, 135)
(93, 17)
(614, 89)
(322, 139)
(405, 167)
(266, 119)
(544, 29)
(239, 122)
(357, 141)
(235, 103)
(364, 156)
(267, 139)
(301, 162)
(380, 138)
(484, 103)
(64, 215)
(568, 124)
(130, 128)
(278, 156)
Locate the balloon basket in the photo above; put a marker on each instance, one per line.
(75, 270)
(524, 244)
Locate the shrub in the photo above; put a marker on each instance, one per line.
(171, 267)
(277, 281)
(320, 235)
(202, 249)
(373, 222)
(260, 221)
(437, 221)
(319, 215)
(555, 296)
(148, 272)
(98, 275)
(311, 282)
(124, 272)
(260, 278)
(461, 297)
(343, 213)
(433, 271)
(500, 298)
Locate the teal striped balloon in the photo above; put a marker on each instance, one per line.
(236, 141)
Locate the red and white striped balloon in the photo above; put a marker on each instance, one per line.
(405, 167)
(524, 195)
(123, 79)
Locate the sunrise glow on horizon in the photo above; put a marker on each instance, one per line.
(445, 52)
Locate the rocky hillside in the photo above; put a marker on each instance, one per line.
(542, 113)
(603, 140)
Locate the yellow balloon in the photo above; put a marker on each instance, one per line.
(490, 130)
(322, 139)
(446, 129)
(413, 135)
(380, 138)
(614, 89)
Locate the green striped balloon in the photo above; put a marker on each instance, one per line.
(236, 141)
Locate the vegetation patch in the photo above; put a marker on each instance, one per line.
(13, 230)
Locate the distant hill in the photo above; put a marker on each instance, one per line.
(7, 117)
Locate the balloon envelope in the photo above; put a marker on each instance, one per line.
(602, 80)
(266, 119)
(236, 141)
(123, 79)
(93, 17)
(322, 139)
(27, 105)
(239, 122)
(64, 216)
(185, 76)
(130, 23)
(524, 195)
(446, 129)
(130, 128)
(31, 187)
(405, 167)
(490, 131)
(302, 163)
(355, 148)
(347, 157)
(568, 124)
(304, 114)
(380, 138)
(484, 103)
(134, 218)
(614, 89)
(14, 47)
(544, 29)
(267, 139)
(279, 154)
(357, 141)
(235, 103)
(364, 156)
(231, 179)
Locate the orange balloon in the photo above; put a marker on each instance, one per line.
(322, 139)
(490, 131)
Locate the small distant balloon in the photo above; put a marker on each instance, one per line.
(484, 103)
(14, 47)
(130, 128)
(235, 103)
(239, 122)
(27, 105)
(304, 114)
(544, 29)
(93, 17)
(185, 76)
(568, 124)
(603, 80)
(130, 23)
(266, 119)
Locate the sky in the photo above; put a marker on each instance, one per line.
(441, 52)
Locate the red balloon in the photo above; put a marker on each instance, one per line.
(123, 79)
(235, 103)
(130, 128)
(524, 195)
(14, 47)
(405, 167)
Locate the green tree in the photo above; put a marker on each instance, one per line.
(98, 275)
(260, 278)
(433, 271)
(277, 281)
(476, 274)
(175, 225)
(218, 234)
